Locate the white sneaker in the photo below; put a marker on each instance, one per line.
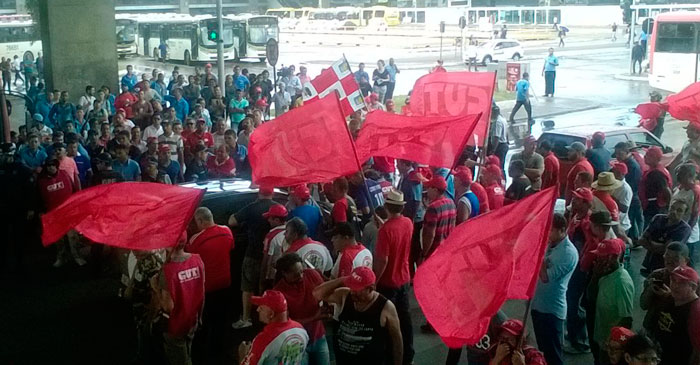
(241, 324)
(80, 261)
(58, 263)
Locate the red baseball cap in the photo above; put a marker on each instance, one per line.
(277, 211)
(207, 65)
(261, 103)
(164, 148)
(437, 182)
(685, 273)
(121, 110)
(655, 152)
(301, 191)
(272, 299)
(266, 190)
(463, 173)
(373, 97)
(600, 136)
(513, 326)
(620, 167)
(201, 120)
(152, 140)
(360, 278)
(620, 335)
(584, 194)
(492, 160)
(493, 170)
(611, 247)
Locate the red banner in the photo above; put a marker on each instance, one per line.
(686, 104)
(136, 216)
(435, 141)
(308, 144)
(484, 262)
(651, 110)
(456, 94)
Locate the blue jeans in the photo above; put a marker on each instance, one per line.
(317, 353)
(549, 332)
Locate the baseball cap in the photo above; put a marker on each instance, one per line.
(492, 160)
(598, 136)
(208, 65)
(513, 326)
(584, 194)
(201, 120)
(619, 167)
(437, 182)
(301, 191)
(277, 211)
(492, 169)
(152, 140)
(104, 157)
(163, 148)
(121, 110)
(602, 218)
(577, 146)
(655, 152)
(360, 278)
(529, 140)
(266, 190)
(38, 117)
(272, 299)
(611, 247)
(685, 273)
(620, 335)
(262, 103)
(463, 173)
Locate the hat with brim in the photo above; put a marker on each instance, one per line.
(394, 197)
(606, 182)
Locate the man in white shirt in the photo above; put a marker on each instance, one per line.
(499, 136)
(274, 244)
(174, 141)
(622, 195)
(87, 101)
(153, 130)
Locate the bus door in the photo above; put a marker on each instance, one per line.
(239, 39)
(195, 33)
(146, 33)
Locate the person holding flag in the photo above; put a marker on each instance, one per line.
(509, 349)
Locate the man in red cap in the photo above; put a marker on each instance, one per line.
(534, 162)
(282, 341)
(550, 176)
(305, 209)
(200, 135)
(181, 297)
(577, 156)
(167, 165)
(598, 155)
(440, 216)
(351, 254)
(509, 351)
(213, 243)
(368, 323)
(614, 298)
(655, 185)
(314, 253)
(252, 217)
(678, 325)
(616, 344)
(467, 202)
(274, 244)
(491, 180)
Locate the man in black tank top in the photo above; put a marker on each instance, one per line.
(368, 330)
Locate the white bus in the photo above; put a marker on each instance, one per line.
(258, 29)
(18, 36)
(185, 36)
(674, 56)
(127, 31)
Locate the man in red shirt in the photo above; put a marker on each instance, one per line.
(577, 155)
(351, 254)
(181, 298)
(200, 135)
(391, 266)
(491, 180)
(602, 188)
(340, 212)
(221, 165)
(655, 185)
(213, 243)
(66, 163)
(550, 176)
(282, 341)
(124, 102)
(297, 285)
(440, 216)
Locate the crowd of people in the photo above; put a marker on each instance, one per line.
(349, 271)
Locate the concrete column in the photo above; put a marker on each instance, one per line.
(184, 7)
(79, 45)
(21, 6)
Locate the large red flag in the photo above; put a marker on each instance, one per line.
(686, 104)
(311, 143)
(651, 110)
(435, 141)
(482, 263)
(137, 216)
(456, 94)
(337, 78)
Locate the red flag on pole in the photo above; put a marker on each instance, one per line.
(311, 143)
(456, 94)
(337, 78)
(652, 110)
(686, 104)
(435, 141)
(482, 263)
(132, 215)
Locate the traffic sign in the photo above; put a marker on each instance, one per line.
(462, 22)
(272, 51)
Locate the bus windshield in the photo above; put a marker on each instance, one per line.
(204, 35)
(261, 29)
(126, 31)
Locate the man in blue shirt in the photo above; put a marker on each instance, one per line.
(549, 71)
(62, 111)
(305, 210)
(393, 70)
(128, 168)
(168, 166)
(362, 79)
(598, 155)
(182, 108)
(522, 98)
(240, 81)
(549, 301)
(130, 78)
(33, 156)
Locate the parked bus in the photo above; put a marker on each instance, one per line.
(257, 30)
(185, 36)
(282, 13)
(19, 37)
(127, 31)
(674, 55)
(390, 16)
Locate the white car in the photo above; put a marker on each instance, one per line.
(499, 50)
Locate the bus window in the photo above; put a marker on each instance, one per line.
(420, 17)
(528, 17)
(541, 17)
(367, 14)
(379, 14)
(676, 38)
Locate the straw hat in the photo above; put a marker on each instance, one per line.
(606, 182)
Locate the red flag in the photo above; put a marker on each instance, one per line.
(132, 215)
(311, 143)
(337, 78)
(651, 110)
(483, 262)
(456, 94)
(686, 104)
(435, 141)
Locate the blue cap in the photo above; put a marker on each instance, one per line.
(38, 117)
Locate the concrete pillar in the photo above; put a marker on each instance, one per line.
(21, 6)
(79, 45)
(184, 7)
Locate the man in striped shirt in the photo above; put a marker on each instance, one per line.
(440, 216)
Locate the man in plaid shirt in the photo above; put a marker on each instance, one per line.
(440, 216)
